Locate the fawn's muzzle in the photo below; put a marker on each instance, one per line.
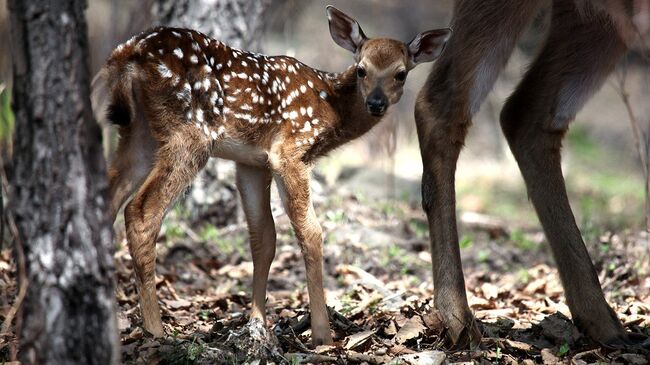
(377, 102)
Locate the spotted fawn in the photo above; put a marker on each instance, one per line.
(179, 98)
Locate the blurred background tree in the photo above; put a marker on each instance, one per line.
(59, 192)
(605, 181)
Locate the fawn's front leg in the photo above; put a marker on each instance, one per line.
(293, 185)
(254, 185)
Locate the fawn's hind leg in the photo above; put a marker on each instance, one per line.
(132, 163)
(176, 164)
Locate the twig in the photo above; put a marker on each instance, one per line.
(190, 232)
(171, 289)
(371, 359)
(310, 358)
(20, 264)
(639, 136)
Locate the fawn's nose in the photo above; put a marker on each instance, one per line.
(377, 102)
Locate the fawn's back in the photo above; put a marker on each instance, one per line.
(178, 77)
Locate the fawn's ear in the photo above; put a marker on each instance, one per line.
(427, 46)
(345, 31)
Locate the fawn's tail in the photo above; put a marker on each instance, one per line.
(112, 96)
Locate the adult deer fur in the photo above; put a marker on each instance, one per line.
(180, 98)
(585, 41)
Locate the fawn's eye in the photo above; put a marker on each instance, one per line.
(361, 72)
(400, 76)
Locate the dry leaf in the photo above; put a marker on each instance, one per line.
(422, 358)
(358, 339)
(413, 328)
(490, 291)
(178, 304)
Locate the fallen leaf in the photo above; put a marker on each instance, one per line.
(519, 345)
(390, 329)
(480, 303)
(549, 358)
(634, 359)
(433, 321)
(490, 291)
(324, 348)
(123, 321)
(421, 358)
(178, 304)
(535, 286)
(358, 339)
(412, 329)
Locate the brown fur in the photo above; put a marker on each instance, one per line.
(184, 98)
(578, 55)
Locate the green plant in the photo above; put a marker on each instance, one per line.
(483, 255)
(173, 230)
(466, 241)
(498, 353)
(209, 233)
(419, 227)
(204, 314)
(295, 360)
(335, 216)
(520, 240)
(7, 119)
(564, 350)
(194, 350)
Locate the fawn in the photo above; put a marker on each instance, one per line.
(179, 98)
(585, 41)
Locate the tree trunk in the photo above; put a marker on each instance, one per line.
(238, 23)
(59, 190)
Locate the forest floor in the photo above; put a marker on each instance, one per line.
(379, 287)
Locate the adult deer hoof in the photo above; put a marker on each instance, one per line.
(626, 341)
(463, 333)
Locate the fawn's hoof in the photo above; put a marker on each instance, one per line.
(155, 329)
(254, 341)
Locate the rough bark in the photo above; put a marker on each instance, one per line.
(59, 190)
(239, 23)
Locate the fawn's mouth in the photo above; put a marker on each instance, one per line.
(377, 112)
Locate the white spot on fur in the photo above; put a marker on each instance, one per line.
(306, 127)
(164, 71)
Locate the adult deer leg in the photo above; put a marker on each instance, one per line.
(254, 185)
(293, 185)
(477, 51)
(575, 61)
(176, 164)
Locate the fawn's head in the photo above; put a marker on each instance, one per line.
(383, 64)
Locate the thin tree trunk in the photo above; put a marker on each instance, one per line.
(238, 23)
(59, 190)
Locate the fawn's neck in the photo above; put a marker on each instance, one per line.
(353, 119)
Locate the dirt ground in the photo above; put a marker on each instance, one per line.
(378, 284)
